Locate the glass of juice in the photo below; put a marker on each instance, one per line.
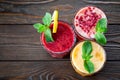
(98, 59)
(64, 40)
(85, 21)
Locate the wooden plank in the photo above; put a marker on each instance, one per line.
(29, 12)
(21, 42)
(54, 70)
(103, 1)
(26, 1)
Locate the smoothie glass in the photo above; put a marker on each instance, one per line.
(85, 21)
(63, 42)
(98, 59)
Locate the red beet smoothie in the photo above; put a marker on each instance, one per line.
(64, 40)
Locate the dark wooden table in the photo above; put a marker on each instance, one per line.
(23, 58)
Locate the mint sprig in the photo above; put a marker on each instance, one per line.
(86, 56)
(101, 28)
(45, 27)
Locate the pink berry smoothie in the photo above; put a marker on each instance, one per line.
(85, 21)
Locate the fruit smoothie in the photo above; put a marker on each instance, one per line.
(85, 21)
(98, 58)
(64, 40)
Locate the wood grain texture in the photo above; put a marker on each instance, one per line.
(103, 1)
(53, 70)
(19, 2)
(23, 58)
(29, 11)
(21, 42)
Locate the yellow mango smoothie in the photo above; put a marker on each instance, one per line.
(98, 58)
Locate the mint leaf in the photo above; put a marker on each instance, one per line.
(39, 27)
(101, 25)
(89, 66)
(47, 19)
(86, 49)
(100, 38)
(48, 35)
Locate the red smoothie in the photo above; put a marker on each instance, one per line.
(64, 40)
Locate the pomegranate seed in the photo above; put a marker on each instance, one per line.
(81, 18)
(77, 17)
(76, 24)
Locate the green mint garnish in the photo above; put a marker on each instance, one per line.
(100, 38)
(101, 27)
(48, 35)
(45, 27)
(47, 19)
(89, 66)
(40, 27)
(86, 56)
(86, 49)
